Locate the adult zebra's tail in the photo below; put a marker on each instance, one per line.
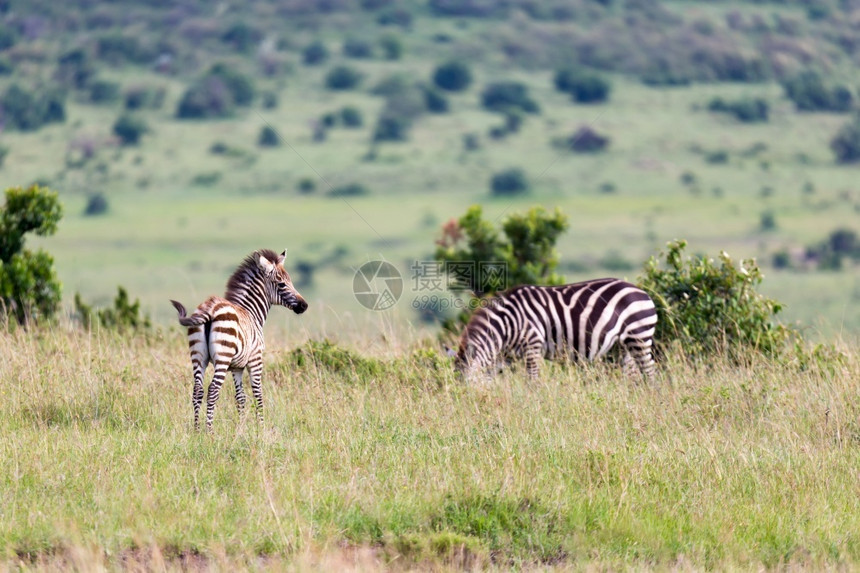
(195, 319)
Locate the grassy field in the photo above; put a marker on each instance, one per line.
(384, 460)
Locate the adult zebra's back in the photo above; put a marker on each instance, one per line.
(228, 331)
(583, 319)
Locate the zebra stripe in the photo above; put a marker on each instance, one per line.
(584, 319)
(228, 331)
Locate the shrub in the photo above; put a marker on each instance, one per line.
(124, 316)
(103, 91)
(242, 36)
(121, 48)
(583, 86)
(501, 96)
(746, 110)
(392, 128)
(29, 110)
(241, 86)
(767, 221)
(29, 289)
(587, 140)
(454, 76)
(349, 190)
(392, 47)
(144, 97)
(129, 129)
(206, 179)
(206, 98)
(270, 100)
(268, 137)
(306, 185)
(351, 117)
(8, 37)
(343, 78)
(435, 101)
(509, 182)
(829, 253)
(846, 143)
(708, 309)
(521, 251)
(315, 53)
(97, 204)
(395, 17)
(75, 68)
(357, 48)
(809, 92)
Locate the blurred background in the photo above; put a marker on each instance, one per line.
(182, 135)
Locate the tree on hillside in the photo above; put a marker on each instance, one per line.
(29, 288)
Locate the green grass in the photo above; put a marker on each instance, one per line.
(384, 456)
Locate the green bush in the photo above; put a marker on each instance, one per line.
(97, 204)
(509, 182)
(118, 49)
(830, 253)
(846, 143)
(582, 85)
(435, 101)
(392, 47)
(8, 37)
(523, 248)
(27, 110)
(144, 97)
(315, 53)
(343, 78)
(454, 76)
(103, 91)
(707, 308)
(240, 85)
(810, 92)
(746, 110)
(75, 68)
(124, 316)
(357, 48)
(206, 98)
(242, 37)
(349, 190)
(502, 96)
(268, 137)
(29, 288)
(129, 129)
(351, 117)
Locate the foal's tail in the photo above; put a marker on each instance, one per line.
(195, 319)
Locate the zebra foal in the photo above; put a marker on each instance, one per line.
(584, 319)
(228, 331)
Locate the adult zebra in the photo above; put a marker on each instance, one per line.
(228, 332)
(584, 319)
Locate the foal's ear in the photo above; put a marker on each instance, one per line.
(265, 265)
(282, 257)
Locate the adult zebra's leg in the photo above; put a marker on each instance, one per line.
(255, 373)
(640, 350)
(240, 391)
(215, 391)
(628, 365)
(534, 356)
